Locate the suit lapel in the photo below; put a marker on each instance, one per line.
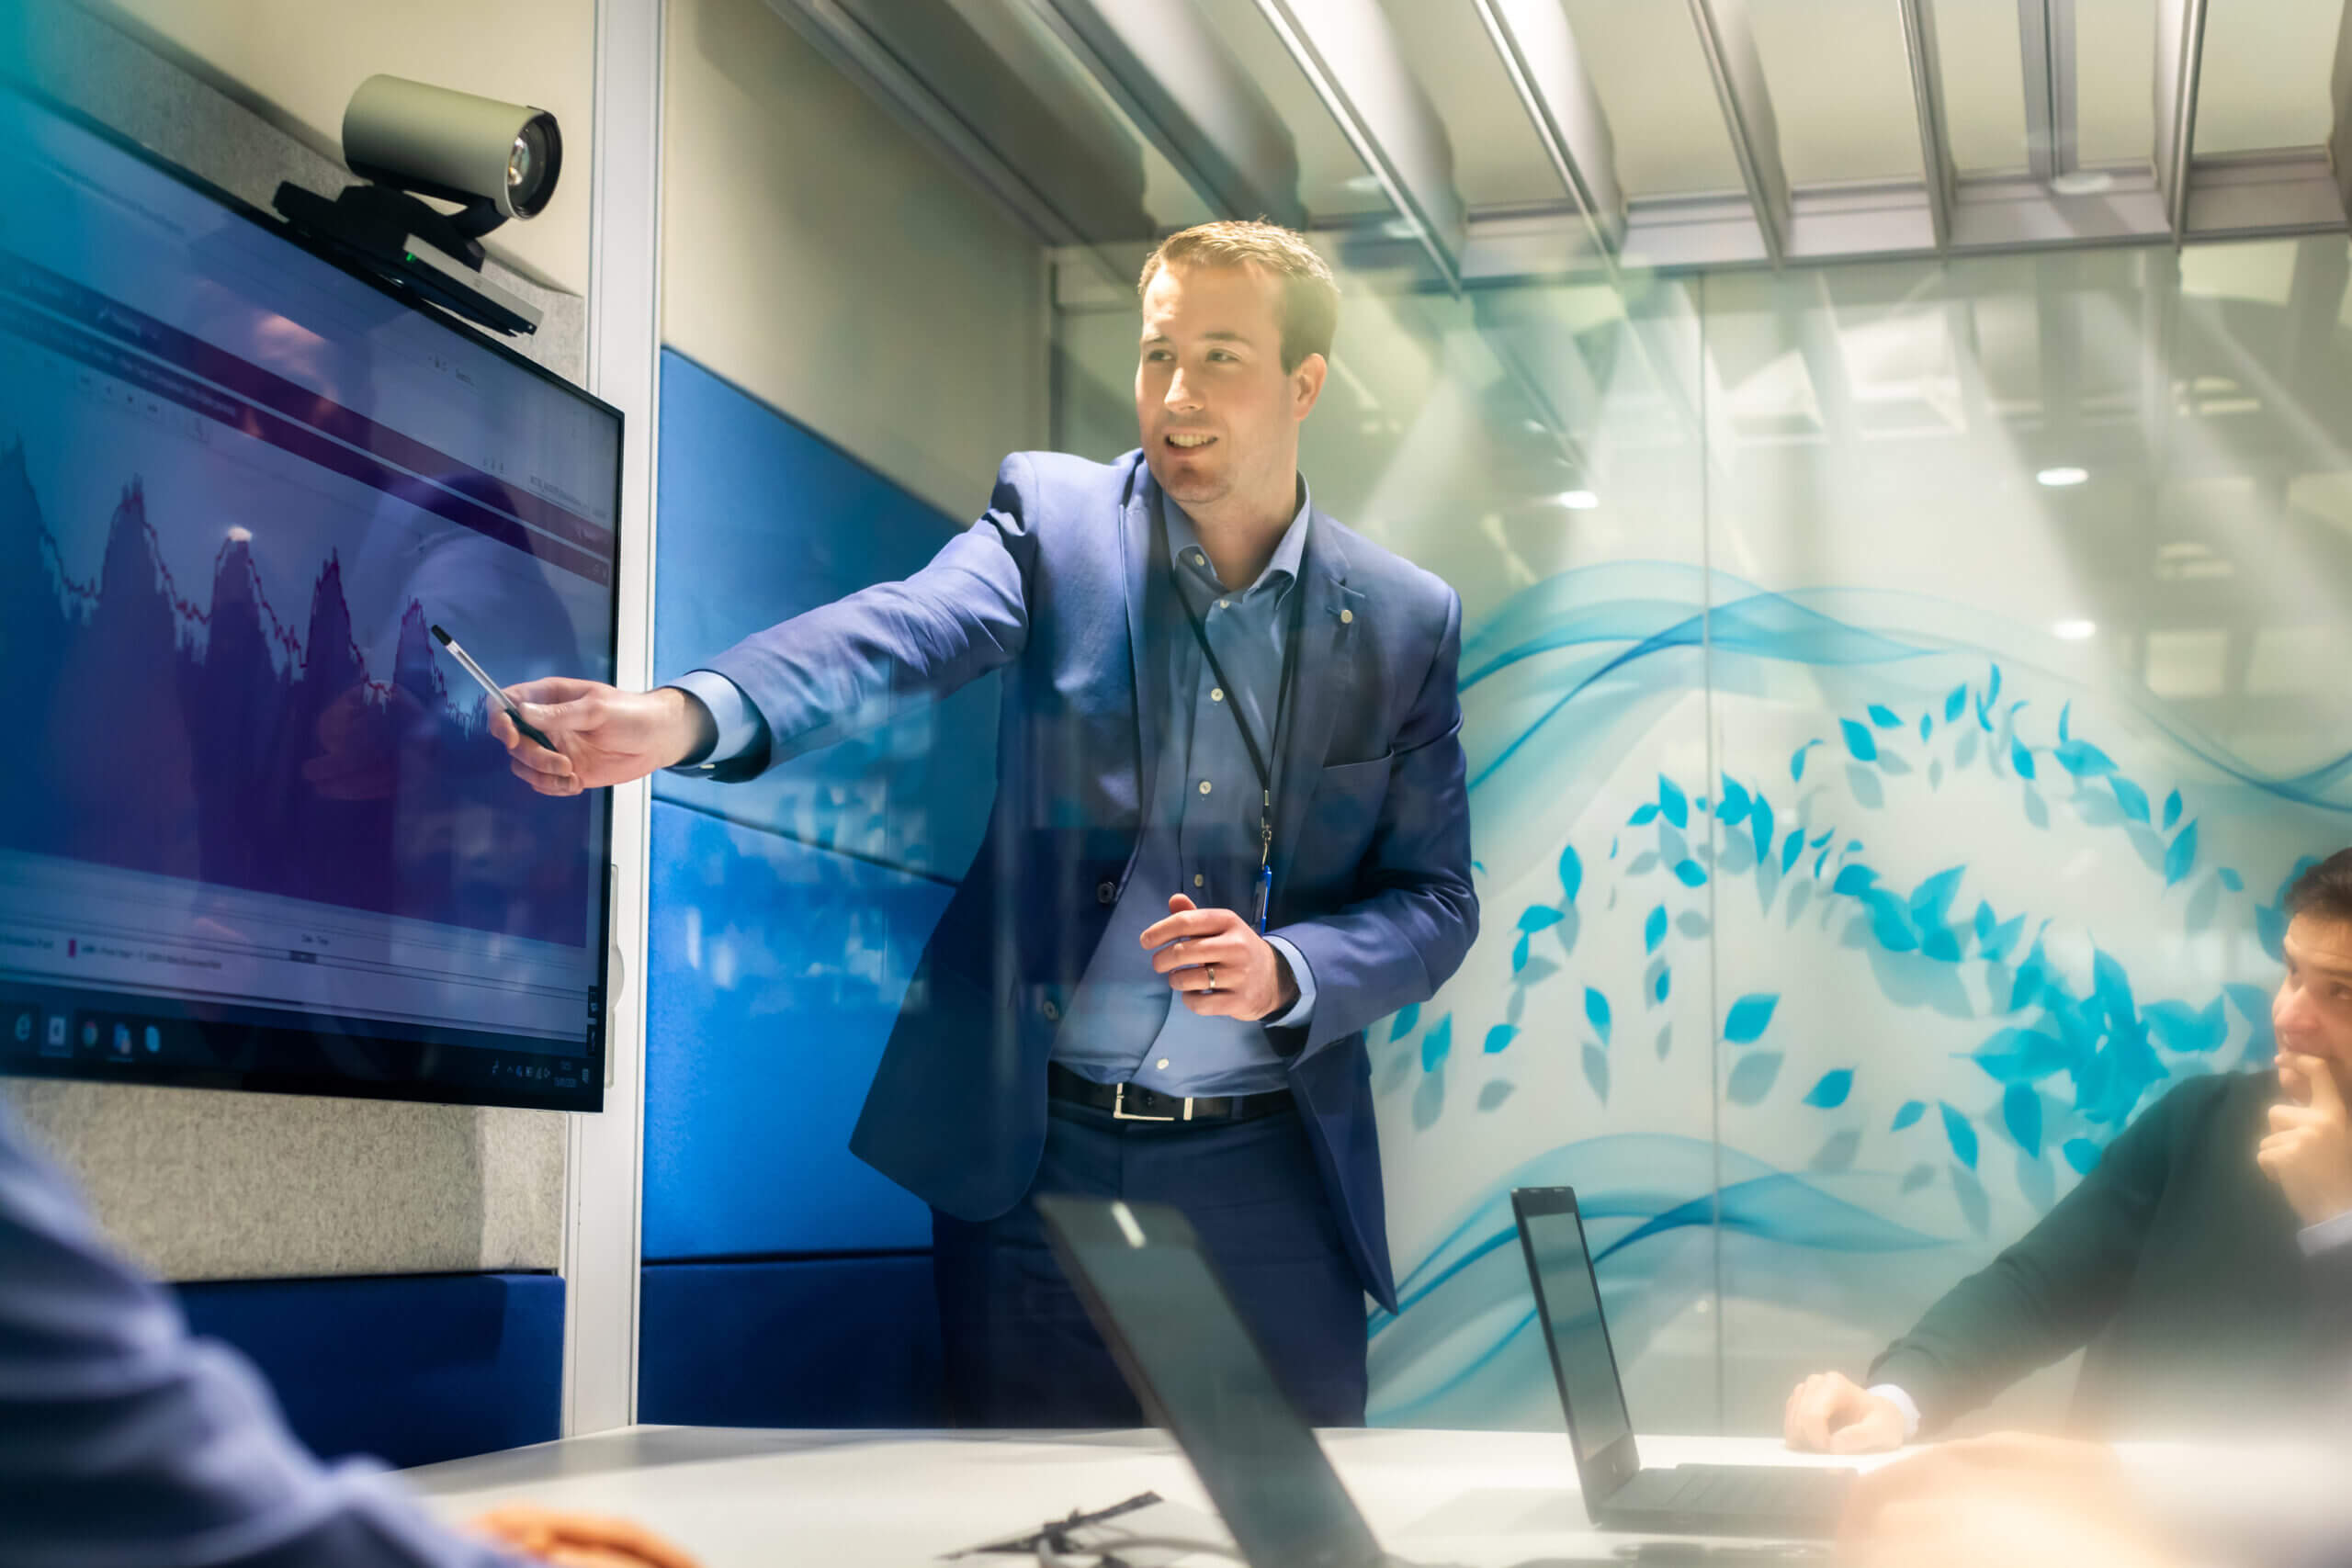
(1142, 545)
(1326, 668)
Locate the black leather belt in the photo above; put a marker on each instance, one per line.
(1129, 1102)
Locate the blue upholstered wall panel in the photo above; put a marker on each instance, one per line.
(413, 1369)
(761, 520)
(850, 1342)
(775, 972)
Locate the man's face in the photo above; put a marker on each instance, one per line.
(2311, 1014)
(1218, 415)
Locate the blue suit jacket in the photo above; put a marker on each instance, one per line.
(1056, 585)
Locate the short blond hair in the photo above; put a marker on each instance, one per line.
(1310, 297)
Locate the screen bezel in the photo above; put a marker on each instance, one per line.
(1621, 1461)
(273, 1079)
(1075, 1225)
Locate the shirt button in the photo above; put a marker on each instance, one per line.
(1216, 694)
(1224, 604)
(1204, 786)
(1347, 616)
(1163, 1063)
(1196, 879)
(1106, 892)
(1053, 1013)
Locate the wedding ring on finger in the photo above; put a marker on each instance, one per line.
(1212, 969)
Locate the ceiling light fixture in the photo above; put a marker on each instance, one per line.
(1576, 500)
(2059, 478)
(2074, 631)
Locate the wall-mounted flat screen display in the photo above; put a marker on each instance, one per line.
(254, 833)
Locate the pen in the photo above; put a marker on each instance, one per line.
(497, 695)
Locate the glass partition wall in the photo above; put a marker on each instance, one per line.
(1895, 696)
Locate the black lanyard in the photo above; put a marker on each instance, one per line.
(1258, 759)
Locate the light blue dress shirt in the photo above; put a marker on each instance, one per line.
(1201, 834)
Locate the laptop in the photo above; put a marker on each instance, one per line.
(1788, 1502)
(1201, 1378)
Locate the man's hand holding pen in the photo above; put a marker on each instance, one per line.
(603, 736)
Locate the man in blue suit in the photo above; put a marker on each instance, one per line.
(1229, 776)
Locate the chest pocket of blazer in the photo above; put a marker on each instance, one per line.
(1341, 817)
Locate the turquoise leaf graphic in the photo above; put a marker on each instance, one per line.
(1792, 850)
(1690, 873)
(2065, 715)
(1831, 1092)
(2172, 810)
(1956, 704)
(2181, 859)
(1796, 762)
(1643, 816)
(1437, 1043)
(1664, 984)
(2182, 1028)
(1538, 917)
(1759, 826)
(1571, 873)
(1519, 954)
(1596, 1071)
(1499, 1037)
(1960, 1135)
(1911, 1111)
(1931, 901)
(2083, 759)
(1595, 1009)
(1749, 1017)
(1858, 741)
(2021, 1114)
(1406, 1020)
(2021, 757)
(1752, 1076)
(1884, 717)
(1736, 804)
(2130, 797)
(1853, 880)
(1672, 803)
(2082, 1154)
(1824, 836)
(1926, 724)
(1654, 930)
(2231, 880)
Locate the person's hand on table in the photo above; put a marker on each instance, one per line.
(2012, 1499)
(1830, 1413)
(603, 734)
(1217, 964)
(579, 1540)
(2309, 1151)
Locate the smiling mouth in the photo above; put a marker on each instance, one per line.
(1188, 441)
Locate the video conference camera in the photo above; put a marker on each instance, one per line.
(407, 140)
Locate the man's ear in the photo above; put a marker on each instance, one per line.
(1306, 383)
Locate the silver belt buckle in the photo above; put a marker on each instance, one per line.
(1119, 1111)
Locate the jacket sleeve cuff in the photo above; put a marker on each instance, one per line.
(740, 728)
(1301, 1012)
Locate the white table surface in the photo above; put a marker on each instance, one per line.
(754, 1498)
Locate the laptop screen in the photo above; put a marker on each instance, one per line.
(1201, 1375)
(1571, 1306)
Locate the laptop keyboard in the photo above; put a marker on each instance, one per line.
(1751, 1489)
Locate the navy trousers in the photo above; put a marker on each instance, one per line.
(1020, 1350)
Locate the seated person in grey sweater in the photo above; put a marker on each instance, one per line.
(2206, 1263)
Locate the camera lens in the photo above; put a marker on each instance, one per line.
(531, 166)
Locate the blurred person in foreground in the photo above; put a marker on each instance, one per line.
(124, 1443)
(2025, 1501)
(2206, 1261)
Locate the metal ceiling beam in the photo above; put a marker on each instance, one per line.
(1181, 87)
(1927, 98)
(2046, 43)
(1539, 55)
(2180, 50)
(1729, 44)
(1353, 59)
(925, 64)
(2339, 136)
